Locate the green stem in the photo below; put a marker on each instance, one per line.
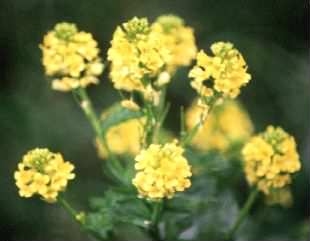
(150, 124)
(187, 137)
(154, 229)
(155, 117)
(242, 214)
(85, 103)
(160, 122)
(73, 213)
(182, 120)
(89, 111)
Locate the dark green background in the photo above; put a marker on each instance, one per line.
(272, 35)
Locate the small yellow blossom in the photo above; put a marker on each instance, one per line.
(282, 196)
(227, 124)
(137, 54)
(178, 38)
(270, 159)
(162, 170)
(71, 56)
(224, 73)
(44, 173)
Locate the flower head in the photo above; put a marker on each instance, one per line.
(71, 57)
(137, 56)
(178, 38)
(162, 170)
(226, 125)
(270, 159)
(224, 73)
(44, 173)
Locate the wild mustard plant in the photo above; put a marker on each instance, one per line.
(145, 172)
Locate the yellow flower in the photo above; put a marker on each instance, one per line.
(227, 124)
(162, 170)
(270, 158)
(44, 173)
(137, 55)
(224, 73)
(124, 138)
(178, 38)
(71, 56)
(282, 196)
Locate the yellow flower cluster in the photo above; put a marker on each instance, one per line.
(178, 38)
(162, 170)
(71, 56)
(44, 173)
(138, 56)
(270, 158)
(282, 196)
(227, 124)
(124, 138)
(224, 73)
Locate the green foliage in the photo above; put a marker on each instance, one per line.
(118, 206)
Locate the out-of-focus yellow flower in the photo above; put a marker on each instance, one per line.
(124, 138)
(44, 173)
(127, 137)
(178, 38)
(137, 54)
(270, 158)
(282, 196)
(162, 170)
(71, 56)
(224, 73)
(227, 124)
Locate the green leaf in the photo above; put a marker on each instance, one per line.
(117, 206)
(100, 224)
(118, 114)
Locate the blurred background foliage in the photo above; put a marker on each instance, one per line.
(273, 37)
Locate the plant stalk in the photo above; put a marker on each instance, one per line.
(154, 229)
(242, 214)
(115, 168)
(73, 213)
